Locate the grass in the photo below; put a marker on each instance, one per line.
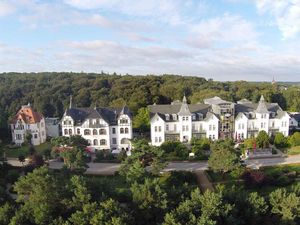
(281, 169)
(24, 150)
(294, 150)
(217, 177)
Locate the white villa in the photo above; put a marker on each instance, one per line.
(180, 121)
(27, 121)
(216, 119)
(103, 128)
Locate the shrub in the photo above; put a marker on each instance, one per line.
(238, 172)
(280, 140)
(254, 178)
(283, 180)
(12, 176)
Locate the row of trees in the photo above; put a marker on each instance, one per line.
(49, 92)
(147, 196)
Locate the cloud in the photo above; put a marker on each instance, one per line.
(286, 15)
(6, 8)
(228, 28)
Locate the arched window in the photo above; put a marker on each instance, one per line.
(125, 141)
(87, 132)
(102, 131)
(102, 142)
(95, 142)
(126, 130)
(78, 131)
(89, 141)
(70, 131)
(122, 130)
(66, 131)
(95, 132)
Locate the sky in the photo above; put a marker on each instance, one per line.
(223, 40)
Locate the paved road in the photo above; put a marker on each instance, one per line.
(111, 168)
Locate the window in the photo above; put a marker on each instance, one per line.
(186, 127)
(43, 133)
(193, 117)
(155, 128)
(66, 131)
(167, 117)
(239, 126)
(183, 128)
(18, 137)
(35, 136)
(102, 131)
(70, 122)
(65, 122)
(70, 132)
(123, 121)
(175, 127)
(126, 130)
(174, 117)
(114, 130)
(167, 127)
(156, 140)
(78, 131)
(209, 137)
(114, 141)
(95, 142)
(183, 118)
(122, 130)
(102, 142)
(95, 132)
(209, 127)
(159, 128)
(87, 132)
(262, 125)
(243, 126)
(214, 127)
(213, 137)
(159, 139)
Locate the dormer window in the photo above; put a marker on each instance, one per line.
(174, 117)
(193, 117)
(167, 117)
(200, 116)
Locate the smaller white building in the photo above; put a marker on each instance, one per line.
(26, 122)
(252, 118)
(52, 127)
(181, 122)
(103, 128)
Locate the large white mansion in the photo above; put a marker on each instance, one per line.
(216, 119)
(103, 128)
(26, 122)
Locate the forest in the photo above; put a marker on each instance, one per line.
(49, 93)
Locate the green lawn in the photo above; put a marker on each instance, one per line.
(24, 150)
(219, 177)
(294, 150)
(281, 170)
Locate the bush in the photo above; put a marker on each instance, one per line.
(175, 149)
(294, 140)
(238, 172)
(12, 176)
(254, 178)
(283, 180)
(280, 141)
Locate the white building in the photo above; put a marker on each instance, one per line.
(25, 122)
(216, 119)
(52, 127)
(180, 121)
(254, 117)
(103, 128)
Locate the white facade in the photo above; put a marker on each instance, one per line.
(179, 123)
(264, 118)
(28, 122)
(102, 132)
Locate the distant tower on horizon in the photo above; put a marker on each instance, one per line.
(273, 81)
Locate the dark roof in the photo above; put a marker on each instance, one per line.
(110, 115)
(251, 107)
(296, 116)
(162, 110)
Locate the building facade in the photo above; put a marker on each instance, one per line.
(180, 121)
(28, 122)
(216, 119)
(254, 117)
(52, 127)
(103, 128)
